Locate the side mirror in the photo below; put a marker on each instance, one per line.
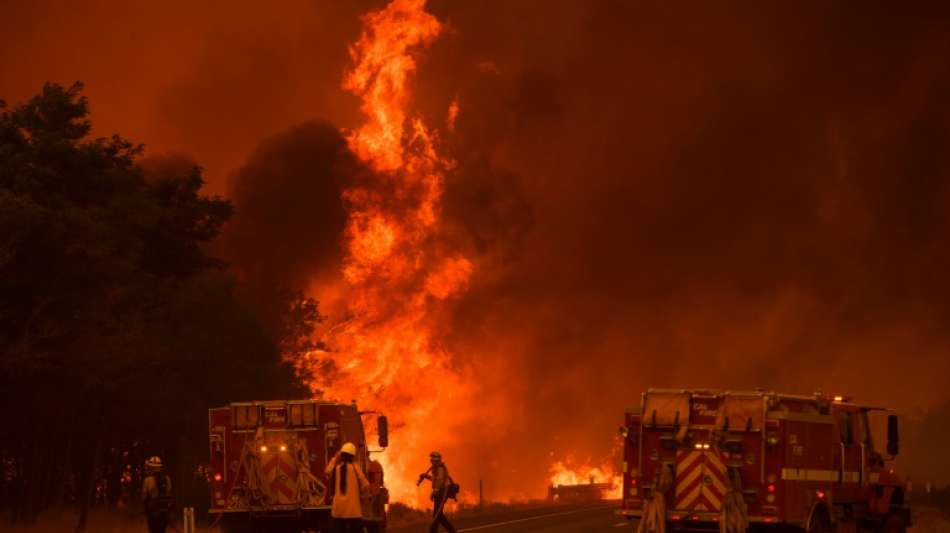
(382, 429)
(893, 438)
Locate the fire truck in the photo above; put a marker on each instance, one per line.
(695, 458)
(268, 459)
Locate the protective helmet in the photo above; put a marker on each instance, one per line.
(435, 456)
(349, 448)
(154, 462)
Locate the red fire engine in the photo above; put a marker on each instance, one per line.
(694, 458)
(268, 460)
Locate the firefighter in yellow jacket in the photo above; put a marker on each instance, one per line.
(348, 484)
(438, 474)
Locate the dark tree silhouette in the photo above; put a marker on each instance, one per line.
(117, 329)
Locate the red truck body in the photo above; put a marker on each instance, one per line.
(267, 461)
(803, 461)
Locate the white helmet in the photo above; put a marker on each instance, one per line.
(154, 462)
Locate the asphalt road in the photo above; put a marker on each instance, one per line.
(589, 519)
(600, 518)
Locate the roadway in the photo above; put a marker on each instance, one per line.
(599, 517)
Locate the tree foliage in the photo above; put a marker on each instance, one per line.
(117, 329)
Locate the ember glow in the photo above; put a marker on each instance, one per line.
(397, 273)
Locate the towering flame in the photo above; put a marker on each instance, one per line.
(382, 67)
(398, 273)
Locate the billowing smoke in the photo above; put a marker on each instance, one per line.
(289, 214)
(651, 195)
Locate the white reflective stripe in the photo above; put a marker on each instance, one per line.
(804, 474)
(873, 477)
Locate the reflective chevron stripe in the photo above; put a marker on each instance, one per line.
(700, 480)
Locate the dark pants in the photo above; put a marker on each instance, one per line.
(348, 525)
(438, 516)
(157, 522)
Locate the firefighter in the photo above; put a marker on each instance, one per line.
(439, 475)
(348, 484)
(156, 495)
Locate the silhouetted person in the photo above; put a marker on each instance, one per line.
(439, 475)
(156, 495)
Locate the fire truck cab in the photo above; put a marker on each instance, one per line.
(267, 461)
(695, 458)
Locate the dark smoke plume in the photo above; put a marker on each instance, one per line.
(289, 213)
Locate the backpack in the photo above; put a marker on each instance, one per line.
(451, 487)
(162, 503)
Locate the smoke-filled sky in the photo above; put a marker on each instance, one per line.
(735, 195)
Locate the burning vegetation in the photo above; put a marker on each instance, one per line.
(398, 271)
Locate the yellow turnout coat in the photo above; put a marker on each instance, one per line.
(347, 505)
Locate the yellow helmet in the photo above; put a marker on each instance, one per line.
(349, 448)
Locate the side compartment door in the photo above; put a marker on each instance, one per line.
(850, 460)
(794, 471)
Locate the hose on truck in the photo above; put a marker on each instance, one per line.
(654, 509)
(734, 517)
(310, 490)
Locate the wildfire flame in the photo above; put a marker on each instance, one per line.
(400, 272)
(397, 274)
(568, 473)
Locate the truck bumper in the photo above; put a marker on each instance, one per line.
(673, 517)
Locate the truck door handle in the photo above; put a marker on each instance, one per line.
(862, 464)
(841, 469)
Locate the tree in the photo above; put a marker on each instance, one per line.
(117, 330)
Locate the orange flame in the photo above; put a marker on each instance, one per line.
(568, 473)
(397, 276)
(383, 65)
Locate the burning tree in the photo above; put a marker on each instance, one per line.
(398, 273)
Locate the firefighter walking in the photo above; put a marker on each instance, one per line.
(156, 495)
(348, 483)
(438, 474)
